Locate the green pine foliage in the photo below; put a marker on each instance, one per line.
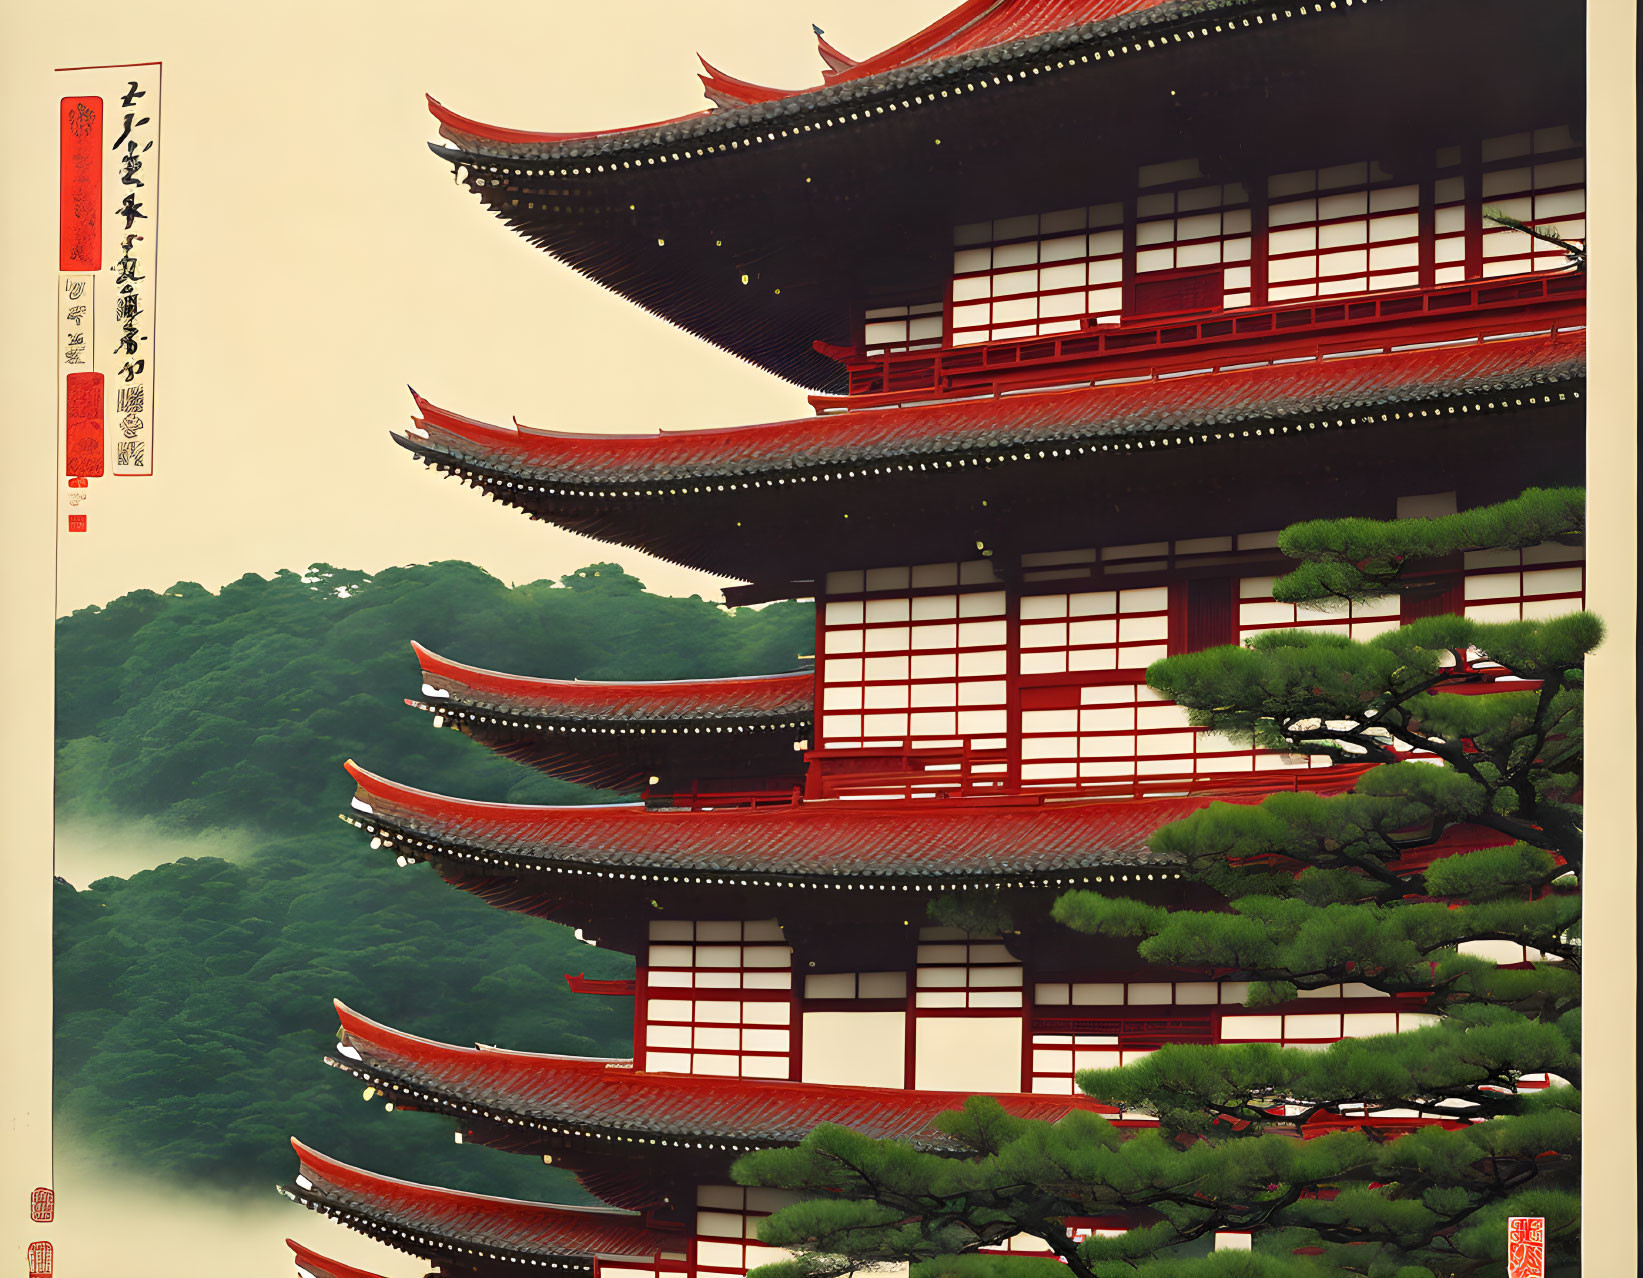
(1356, 559)
(1318, 892)
(193, 999)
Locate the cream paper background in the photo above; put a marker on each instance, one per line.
(316, 258)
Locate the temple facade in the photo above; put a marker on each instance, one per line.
(1093, 299)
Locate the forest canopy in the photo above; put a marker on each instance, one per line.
(193, 999)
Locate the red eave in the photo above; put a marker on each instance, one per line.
(925, 839)
(910, 434)
(612, 1097)
(753, 697)
(727, 90)
(972, 26)
(461, 130)
(317, 1266)
(981, 24)
(431, 1220)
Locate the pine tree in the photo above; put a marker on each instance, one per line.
(1319, 891)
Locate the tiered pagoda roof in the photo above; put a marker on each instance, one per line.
(749, 501)
(676, 215)
(608, 1101)
(975, 34)
(886, 843)
(618, 735)
(471, 1229)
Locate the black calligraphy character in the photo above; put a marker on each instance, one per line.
(127, 345)
(76, 313)
(75, 290)
(130, 399)
(131, 370)
(132, 164)
(130, 209)
(132, 94)
(126, 132)
(74, 355)
(126, 267)
(129, 452)
(126, 308)
(76, 339)
(131, 425)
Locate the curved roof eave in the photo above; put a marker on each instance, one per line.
(543, 1092)
(929, 57)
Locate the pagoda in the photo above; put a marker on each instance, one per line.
(1093, 297)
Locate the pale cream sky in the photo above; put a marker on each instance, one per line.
(314, 258)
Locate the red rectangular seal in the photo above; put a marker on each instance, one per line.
(84, 455)
(1526, 1247)
(80, 240)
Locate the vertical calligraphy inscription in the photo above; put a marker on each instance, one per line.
(80, 236)
(83, 458)
(1526, 1247)
(133, 216)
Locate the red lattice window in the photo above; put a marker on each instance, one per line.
(1037, 274)
(1094, 630)
(960, 971)
(1192, 250)
(1093, 733)
(923, 670)
(1524, 585)
(1538, 178)
(727, 1221)
(902, 328)
(1350, 228)
(718, 999)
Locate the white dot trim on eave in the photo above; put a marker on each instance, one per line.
(383, 836)
(473, 718)
(512, 491)
(857, 113)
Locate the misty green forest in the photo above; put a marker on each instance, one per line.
(193, 999)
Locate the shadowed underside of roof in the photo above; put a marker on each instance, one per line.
(548, 1093)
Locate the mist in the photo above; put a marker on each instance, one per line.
(119, 1222)
(88, 850)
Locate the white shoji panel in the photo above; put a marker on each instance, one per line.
(902, 328)
(727, 1220)
(719, 999)
(1538, 178)
(1300, 1029)
(926, 671)
(1524, 585)
(1350, 228)
(1041, 273)
(1123, 730)
(1196, 227)
(1451, 214)
(956, 970)
(1094, 630)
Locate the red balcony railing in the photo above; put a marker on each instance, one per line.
(1320, 328)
